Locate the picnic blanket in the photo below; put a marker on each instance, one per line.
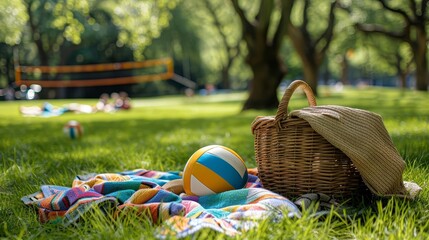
(140, 192)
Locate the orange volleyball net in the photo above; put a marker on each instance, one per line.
(48, 76)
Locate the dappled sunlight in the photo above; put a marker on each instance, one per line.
(162, 133)
(199, 73)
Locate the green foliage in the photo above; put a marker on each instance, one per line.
(161, 133)
(6, 64)
(140, 21)
(376, 51)
(58, 19)
(81, 32)
(65, 18)
(317, 20)
(199, 52)
(100, 40)
(12, 19)
(220, 35)
(182, 40)
(58, 26)
(318, 14)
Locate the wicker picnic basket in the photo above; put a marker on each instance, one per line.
(293, 159)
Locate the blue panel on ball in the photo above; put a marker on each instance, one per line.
(222, 168)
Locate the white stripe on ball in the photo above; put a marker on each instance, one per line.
(230, 158)
(199, 188)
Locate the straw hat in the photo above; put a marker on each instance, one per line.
(362, 136)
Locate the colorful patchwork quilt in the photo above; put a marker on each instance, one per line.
(140, 192)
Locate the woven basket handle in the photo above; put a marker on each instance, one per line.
(282, 110)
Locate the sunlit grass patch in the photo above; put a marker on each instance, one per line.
(162, 133)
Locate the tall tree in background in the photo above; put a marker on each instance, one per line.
(12, 21)
(182, 40)
(412, 31)
(53, 22)
(311, 49)
(394, 55)
(140, 21)
(263, 51)
(231, 47)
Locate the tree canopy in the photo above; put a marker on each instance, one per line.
(232, 44)
(13, 20)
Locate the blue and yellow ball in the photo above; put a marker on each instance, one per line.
(73, 129)
(214, 169)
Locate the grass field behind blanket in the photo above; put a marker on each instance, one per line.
(162, 133)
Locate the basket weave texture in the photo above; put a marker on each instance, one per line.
(293, 159)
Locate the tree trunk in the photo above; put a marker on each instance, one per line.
(9, 70)
(402, 80)
(421, 75)
(402, 73)
(344, 78)
(420, 51)
(263, 89)
(311, 72)
(413, 33)
(37, 38)
(43, 56)
(311, 49)
(225, 81)
(263, 53)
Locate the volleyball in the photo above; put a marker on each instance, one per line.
(73, 129)
(214, 169)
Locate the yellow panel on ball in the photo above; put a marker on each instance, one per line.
(214, 169)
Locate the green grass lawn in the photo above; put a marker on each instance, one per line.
(162, 133)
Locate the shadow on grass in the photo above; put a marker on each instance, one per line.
(116, 145)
